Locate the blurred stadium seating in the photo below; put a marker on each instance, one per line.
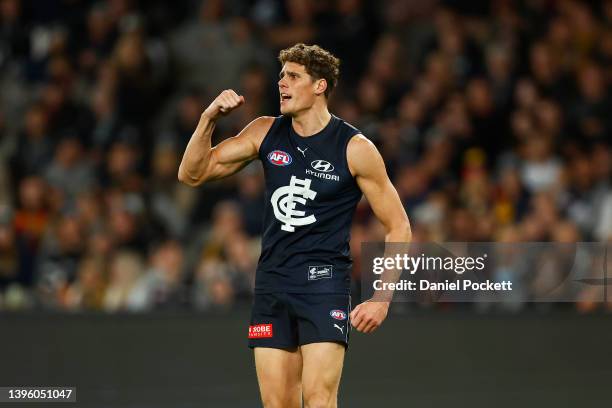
(493, 119)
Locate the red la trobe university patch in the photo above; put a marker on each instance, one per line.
(260, 331)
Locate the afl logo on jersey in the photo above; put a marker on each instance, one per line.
(338, 314)
(279, 158)
(322, 165)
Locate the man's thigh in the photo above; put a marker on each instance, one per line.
(279, 375)
(322, 367)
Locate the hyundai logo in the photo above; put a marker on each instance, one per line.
(322, 165)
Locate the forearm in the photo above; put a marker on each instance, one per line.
(197, 155)
(399, 233)
(397, 242)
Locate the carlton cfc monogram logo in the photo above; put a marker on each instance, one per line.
(284, 200)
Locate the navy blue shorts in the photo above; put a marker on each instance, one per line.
(289, 320)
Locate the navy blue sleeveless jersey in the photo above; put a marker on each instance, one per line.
(310, 201)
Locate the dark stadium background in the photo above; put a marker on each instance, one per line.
(494, 121)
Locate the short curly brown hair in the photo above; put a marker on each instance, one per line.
(319, 63)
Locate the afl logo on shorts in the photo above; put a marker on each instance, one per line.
(279, 158)
(338, 314)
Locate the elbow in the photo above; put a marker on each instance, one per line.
(400, 232)
(408, 234)
(406, 231)
(187, 179)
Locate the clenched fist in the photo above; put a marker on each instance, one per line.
(223, 104)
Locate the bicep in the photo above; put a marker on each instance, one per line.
(383, 198)
(371, 176)
(231, 155)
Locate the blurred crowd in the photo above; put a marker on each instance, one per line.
(493, 118)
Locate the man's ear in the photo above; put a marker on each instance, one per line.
(320, 86)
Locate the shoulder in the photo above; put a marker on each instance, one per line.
(257, 130)
(260, 125)
(359, 144)
(362, 155)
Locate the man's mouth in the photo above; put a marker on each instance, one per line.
(284, 97)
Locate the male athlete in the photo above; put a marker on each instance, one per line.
(316, 168)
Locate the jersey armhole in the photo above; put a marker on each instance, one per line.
(346, 163)
(275, 125)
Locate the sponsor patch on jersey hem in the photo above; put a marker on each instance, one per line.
(317, 272)
(260, 331)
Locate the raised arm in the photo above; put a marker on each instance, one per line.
(368, 167)
(202, 162)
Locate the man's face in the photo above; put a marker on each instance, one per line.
(297, 89)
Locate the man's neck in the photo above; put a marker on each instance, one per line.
(311, 122)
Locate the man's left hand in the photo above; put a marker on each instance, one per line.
(367, 316)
